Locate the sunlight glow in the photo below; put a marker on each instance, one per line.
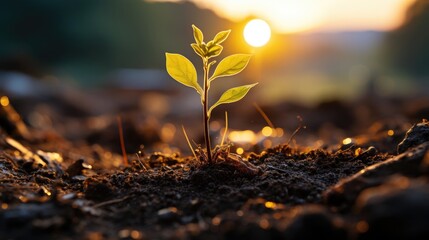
(240, 150)
(246, 136)
(257, 33)
(289, 16)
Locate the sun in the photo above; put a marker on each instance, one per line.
(257, 33)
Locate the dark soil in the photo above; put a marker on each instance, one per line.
(175, 197)
(52, 188)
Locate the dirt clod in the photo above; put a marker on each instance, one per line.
(417, 135)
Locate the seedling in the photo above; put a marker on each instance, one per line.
(183, 71)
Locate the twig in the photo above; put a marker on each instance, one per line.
(296, 130)
(121, 137)
(346, 149)
(189, 143)
(102, 204)
(27, 153)
(140, 161)
(278, 169)
(264, 115)
(14, 118)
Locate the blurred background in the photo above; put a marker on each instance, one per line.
(322, 54)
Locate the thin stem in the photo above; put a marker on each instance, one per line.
(121, 138)
(226, 128)
(206, 117)
(189, 143)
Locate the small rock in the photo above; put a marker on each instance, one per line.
(76, 168)
(371, 151)
(398, 209)
(416, 135)
(68, 196)
(408, 164)
(168, 215)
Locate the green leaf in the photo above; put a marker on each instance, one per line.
(182, 70)
(215, 51)
(232, 95)
(198, 35)
(197, 49)
(221, 37)
(231, 65)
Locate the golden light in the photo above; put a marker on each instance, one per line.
(347, 141)
(257, 33)
(358, 151)
(279, 132)
(267, 131)
(4, 101)
(246, 136)
(271, 205)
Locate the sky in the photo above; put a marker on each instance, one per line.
(289, 16)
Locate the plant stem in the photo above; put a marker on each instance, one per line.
(206, 117)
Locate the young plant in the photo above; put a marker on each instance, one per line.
(183, 71)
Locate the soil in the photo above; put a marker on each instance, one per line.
(56, 188)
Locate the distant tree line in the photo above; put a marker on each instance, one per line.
(408, 46)
(87, 38)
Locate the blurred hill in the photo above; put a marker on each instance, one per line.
(322, 65)
(407, 47)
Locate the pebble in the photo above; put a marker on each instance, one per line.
(168, 215)
(416, 135)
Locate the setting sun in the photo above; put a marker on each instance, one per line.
(257, 33)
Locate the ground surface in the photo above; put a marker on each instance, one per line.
(53, 188)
